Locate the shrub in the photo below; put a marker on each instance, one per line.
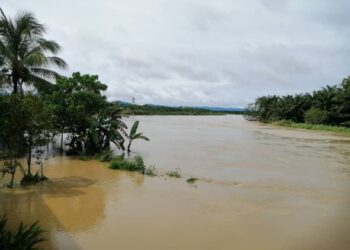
(29, 179)
(316, 116)
(105, 156)
(346, 124)
(26, 237)
(134, 165)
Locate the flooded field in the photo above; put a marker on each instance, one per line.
(259, 187)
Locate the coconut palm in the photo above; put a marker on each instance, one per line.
(25, 55)
(134, 135)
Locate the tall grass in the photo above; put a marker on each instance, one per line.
(134, 165)
(290, 124)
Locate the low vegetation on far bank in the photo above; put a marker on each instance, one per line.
(147, 109)
(317, 127)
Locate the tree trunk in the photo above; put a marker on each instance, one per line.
(29, 159)
(41, 170)
(15, 84)
(12, 180)
(129, 145)
(61, 142)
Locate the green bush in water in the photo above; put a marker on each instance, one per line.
(134, 165)
(29, 179)
(26, 237)
(105, 156)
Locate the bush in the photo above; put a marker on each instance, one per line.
(316, 116)
(29, 179)
(134, 165)
(26, 237)
(105, 156)
(346, 124)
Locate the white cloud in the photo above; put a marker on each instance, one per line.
(200, 52)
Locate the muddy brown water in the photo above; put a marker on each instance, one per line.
(259, 187)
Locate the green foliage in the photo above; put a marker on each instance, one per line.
(174, 173)
(134, 165)
(10, 167)
(25, 238)
(320, 127)
(346, 124)
(192, 180)
(83, 112)
(316, 116)
(26, 124)
(30, 179)
(329, 106)
(25, 53)
(105, 156)
(134, 135)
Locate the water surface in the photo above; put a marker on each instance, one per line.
(260, 187)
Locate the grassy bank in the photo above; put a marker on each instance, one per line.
(316, 127)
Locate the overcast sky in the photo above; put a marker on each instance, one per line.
(200, 52)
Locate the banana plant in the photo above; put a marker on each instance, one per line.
(134, 135)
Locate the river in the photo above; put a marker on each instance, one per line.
(259, 187)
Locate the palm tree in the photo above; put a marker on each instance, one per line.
(25, 54)
(134, 135)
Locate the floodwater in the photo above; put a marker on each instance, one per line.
(259, 187)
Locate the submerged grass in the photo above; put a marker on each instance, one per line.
(174, 173)
(192, 180)
(290, 124)
(133, 165)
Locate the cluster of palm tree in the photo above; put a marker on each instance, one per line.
(329, 105)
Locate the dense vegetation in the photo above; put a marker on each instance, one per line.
(37, 104)
(147, 109)
(327, 106)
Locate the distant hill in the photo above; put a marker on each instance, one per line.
(152, 109)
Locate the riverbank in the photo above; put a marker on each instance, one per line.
(148, 109)
(316, 127)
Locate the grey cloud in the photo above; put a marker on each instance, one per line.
(200, 52)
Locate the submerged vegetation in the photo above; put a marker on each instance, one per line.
(25, 238)
(192, 180)
(321, 109)
(135, 164)
(174, 173)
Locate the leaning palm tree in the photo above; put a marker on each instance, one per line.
(134, 135)
(25, 55)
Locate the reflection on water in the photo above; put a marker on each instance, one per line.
(260, 187)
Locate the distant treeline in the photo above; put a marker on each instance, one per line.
(147, 109)
(329, 106)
